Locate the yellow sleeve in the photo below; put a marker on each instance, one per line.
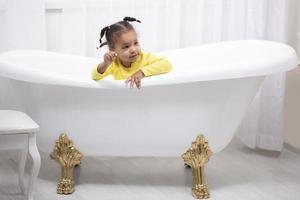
(97, 76)
(156, 65)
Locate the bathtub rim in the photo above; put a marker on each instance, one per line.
(34, 75)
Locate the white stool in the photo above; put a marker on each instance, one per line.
(18, 131)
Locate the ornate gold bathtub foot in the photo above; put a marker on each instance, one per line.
(196, 157)
(68, 157)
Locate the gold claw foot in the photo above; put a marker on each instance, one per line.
(200, 191)
(68, 157)
(65, 186)
(196, 157)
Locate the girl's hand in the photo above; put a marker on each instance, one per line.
(135, 79)
(109, 57)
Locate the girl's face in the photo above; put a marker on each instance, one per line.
(127, 48)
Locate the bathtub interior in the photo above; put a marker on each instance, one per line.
(154, 121)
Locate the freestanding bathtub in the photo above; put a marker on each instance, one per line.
(208, 91)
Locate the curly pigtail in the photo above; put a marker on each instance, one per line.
(131, 19)
(102, 33)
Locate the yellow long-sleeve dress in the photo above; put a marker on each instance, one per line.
(148, 63)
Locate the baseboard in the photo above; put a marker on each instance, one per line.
(292, 148)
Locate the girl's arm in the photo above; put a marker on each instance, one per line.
(100, 71)
(101, 68)
(104, 68)
(156, 65)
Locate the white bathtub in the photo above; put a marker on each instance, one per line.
(208, 91)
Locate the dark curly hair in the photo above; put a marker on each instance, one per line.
(116, 29)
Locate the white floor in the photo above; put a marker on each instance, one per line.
(237, 173)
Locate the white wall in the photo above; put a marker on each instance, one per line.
(292, 99)
(53, 25)
(292, 108)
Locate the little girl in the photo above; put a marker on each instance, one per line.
(125, 60)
